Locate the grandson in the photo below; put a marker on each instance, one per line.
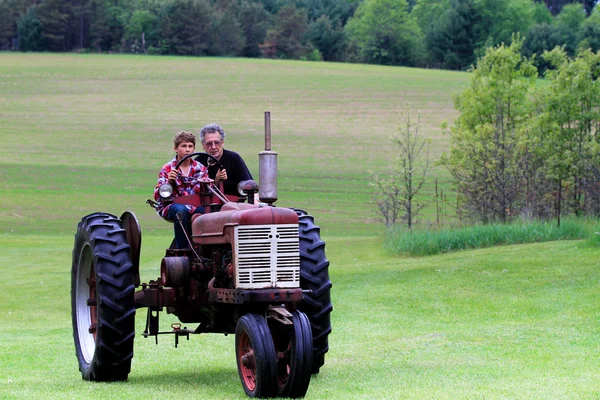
(185, 181)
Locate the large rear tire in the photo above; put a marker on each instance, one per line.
(314, 276)
(256, 357)
(102, 299)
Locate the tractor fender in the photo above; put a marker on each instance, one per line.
(133, 234)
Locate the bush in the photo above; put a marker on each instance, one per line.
(314, 55)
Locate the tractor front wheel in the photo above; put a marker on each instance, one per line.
(294, 346)
(102, 299)
(256, 358)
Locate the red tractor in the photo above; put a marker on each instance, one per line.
(252, 269)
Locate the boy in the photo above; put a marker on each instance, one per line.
(185, 181)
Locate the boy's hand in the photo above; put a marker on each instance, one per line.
(173, 175)
(221, 175)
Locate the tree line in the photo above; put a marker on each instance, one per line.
(521, 149)
(449, 34)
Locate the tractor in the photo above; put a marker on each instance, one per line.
(252, 269)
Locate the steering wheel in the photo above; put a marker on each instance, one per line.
(217, 162)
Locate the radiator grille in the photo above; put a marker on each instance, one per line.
(267, 256)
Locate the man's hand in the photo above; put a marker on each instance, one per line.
(221, 175)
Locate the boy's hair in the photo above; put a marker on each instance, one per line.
(211, 128)
(184, 136)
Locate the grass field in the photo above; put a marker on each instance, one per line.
(92, 131)
(84, 133)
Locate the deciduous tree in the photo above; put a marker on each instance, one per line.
(573, 108)
(395, 195)
(287, 38)
(487, 154)
(385, 33)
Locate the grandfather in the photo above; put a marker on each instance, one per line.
(234, 168)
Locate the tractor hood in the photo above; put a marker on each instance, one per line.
(206, 228)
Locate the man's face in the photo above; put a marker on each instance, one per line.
(184, 149)
(213, 145)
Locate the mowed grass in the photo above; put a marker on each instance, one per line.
(514, 322)
(85, 133)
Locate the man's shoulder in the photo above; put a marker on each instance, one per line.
(232, 155)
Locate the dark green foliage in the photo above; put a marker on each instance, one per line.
(383, 32)
(542, 37)
(254, 21)
(286, 39)
(141, 31)
(555, 6)
(228, 35)
(590, 33)
(337, 10)
(329, 38)
(54, 16)
(29, 29)
(455, 35)
(432, 33)
(7, 26)
(107, 25)
(186, 27)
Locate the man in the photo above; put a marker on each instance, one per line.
(234, 169)
(185, 181)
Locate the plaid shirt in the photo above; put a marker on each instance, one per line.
(184, 185)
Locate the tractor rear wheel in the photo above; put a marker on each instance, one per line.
(102, 299)
(294, 348)
(314, 276)
(256, 357)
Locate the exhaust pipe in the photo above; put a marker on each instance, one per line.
(267, 167)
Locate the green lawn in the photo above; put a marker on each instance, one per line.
(84, 133)
(508, 322)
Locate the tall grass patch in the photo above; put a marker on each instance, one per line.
(594, 240)
(421, 242)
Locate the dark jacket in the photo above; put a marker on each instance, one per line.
(235, 166)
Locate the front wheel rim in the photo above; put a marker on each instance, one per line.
(247, 362)
(85, 304)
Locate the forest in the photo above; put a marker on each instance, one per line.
(446, 34)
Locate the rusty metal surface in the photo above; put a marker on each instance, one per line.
(174, 271)
(241, 296)
(267, 130)
(215, 224)
(155, 296)
(133, 234)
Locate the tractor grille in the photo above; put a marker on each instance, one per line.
(267, 256)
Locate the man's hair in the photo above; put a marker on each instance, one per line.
(184, 136)
(211, 128)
